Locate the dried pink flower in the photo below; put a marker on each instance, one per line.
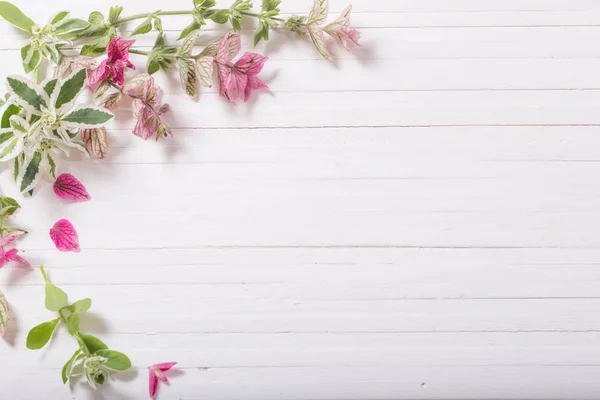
(239, 79)
(147, 108)
(12, 254)
(340, 28)
(114, 66)
(156, 373)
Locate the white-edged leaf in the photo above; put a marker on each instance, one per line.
(50, 164)
(18, 124)
(26, 94)
(70, 88)
(318, 38)
(318, 12)
(31, 58)
(143, 28)
(14, 16)
(49, 86)
(87, 117)
(30, 172)
(70, 25)
(204, 68)
(188, 77)
(11, 148)
(79, 145)
(59, 17)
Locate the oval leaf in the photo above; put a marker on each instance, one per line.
(68, 368)
(69, 187)
(64, 236)
(3, 314)
(13, 15)
(40, 335)
(92, 343)
(115, 360)
(56, 298)
(80, 306)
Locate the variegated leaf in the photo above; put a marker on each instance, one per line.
(111, 101)
(30, 172)
(11, 148)
(31, 58)
(70, 88)
(26, 94)
(49, 86)
(318, 13)
(19, 126)
(96, 141)
(211, 49)
(204, 68)
(318, 38)
(188, 77)
(87, 117)
(3, 314)
(185, 51)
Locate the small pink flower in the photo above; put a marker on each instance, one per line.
(340, 28)
(72, 64)
(12, 254)
(114, 66)
(239, 79)
(156, 373)
(147, 109)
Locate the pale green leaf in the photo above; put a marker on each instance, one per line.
(73, 324)
(39, 335)
(13, 15)
(115, 360)
(143, 28)
(80, 306)
(189, 29)
(318, 13)
(67, 370)
(71, 25)
(11, 148)
(31, 58)
(92, 343)
(56, 298)
(204, 69)
(59, 17)
(316, 35)
(188, 76)
(185, 51)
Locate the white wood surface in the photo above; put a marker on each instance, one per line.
(420, 219)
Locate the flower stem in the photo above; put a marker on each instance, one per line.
(146, 15)
(140, 52)
(255, 15)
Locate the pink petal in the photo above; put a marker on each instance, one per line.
(152, 383)
(10, 238)
(164, 366)
(118, 49)
(68, 187)
(354, 35)
(64, 236)
(11, 255)
(147, 123)
(99, 74)
(251, 63)
(231, 83)
(253, 83)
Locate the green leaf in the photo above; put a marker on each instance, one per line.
(19, 125)
(59, 17)
(96, 47)
(269, 5)
(80, 306)
(51, 164)
(25, 92)
(71, 87)
(236, 22)
(114, 13)
(188, 76)
(96, 18)
(220, 17)
(87, 117)
(49, 87)
(11, 110)
(157, 24)
(15, 17)
(143, 28)
(30, 175)
(71, 25)
(68, 368)
(262, 32)
(152, 66)
(56, 298)
(73, 324)
(39, 335)
(116, 361)
(31, 58)
(8, 205)
(11, 148)
(92, 343)
(189, 29)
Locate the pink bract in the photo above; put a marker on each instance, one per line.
(147, 108)
(239, 79)
(340, 29)
(7, 256)
(64, 236)
(68, 187)
(114, 66)
(156, 373)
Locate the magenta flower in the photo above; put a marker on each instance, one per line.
(156, 373)
(114, 66)
(340, 28)
(147, 108)
(239, 79)
(12, 254)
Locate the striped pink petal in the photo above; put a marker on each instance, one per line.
(69, 187)
(64, 236)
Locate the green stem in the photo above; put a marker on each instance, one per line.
(255, 15)
(76, 336)
(140, 52)
(146, 15)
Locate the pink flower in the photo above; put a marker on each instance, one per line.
(12, 254)
(114, 66)
(147, 109)
(156, 373)
(72, 64)
(340, 28)
(239, 79)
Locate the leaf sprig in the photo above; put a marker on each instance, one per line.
(93, 359)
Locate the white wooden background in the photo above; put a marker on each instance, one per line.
(420, 219)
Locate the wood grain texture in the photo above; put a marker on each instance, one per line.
(419, 219)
